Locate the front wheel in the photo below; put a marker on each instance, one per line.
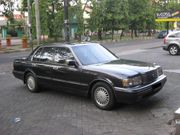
(173, 49)
(103, 96)
(31, 83)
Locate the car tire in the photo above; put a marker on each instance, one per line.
(31, 83)
(103, 96)
(173, 49)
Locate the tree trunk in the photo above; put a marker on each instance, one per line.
(112, 30)
(135, 33)
(112, 37)
(122, 34)
(99, 34)
(149, 32)
(132, 33)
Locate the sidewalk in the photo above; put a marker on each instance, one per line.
(124, 39)
(13, 48)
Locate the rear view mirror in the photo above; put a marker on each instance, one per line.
(72, 63)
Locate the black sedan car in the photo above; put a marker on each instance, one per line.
(92, 70)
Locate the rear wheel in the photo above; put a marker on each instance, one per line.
(31, 83)
(103, 96)
(173, 49)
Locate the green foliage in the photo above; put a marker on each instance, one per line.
(52, 17)
(44, 17)
(96, 16)
(122, 14)
(109, 15)
(24, 4)
(76, 16)
(106, 15)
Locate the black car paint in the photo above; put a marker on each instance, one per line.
(80, 79)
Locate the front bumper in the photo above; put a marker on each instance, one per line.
(131, 95)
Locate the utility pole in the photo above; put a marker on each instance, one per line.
(30, 23)
(66, 21)
(38, 27)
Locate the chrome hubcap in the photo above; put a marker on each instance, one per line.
(173, 50)
(31, 83)
(101, 96)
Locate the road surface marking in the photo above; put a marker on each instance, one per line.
(2, 73)
(173, 71)
(131, 52)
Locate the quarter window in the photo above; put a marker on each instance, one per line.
(37, 55)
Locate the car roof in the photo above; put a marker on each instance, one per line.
(69, 44)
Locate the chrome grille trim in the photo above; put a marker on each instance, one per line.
(149, 77)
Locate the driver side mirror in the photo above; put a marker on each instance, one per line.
(72, 63)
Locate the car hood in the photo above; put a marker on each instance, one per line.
(122, 68)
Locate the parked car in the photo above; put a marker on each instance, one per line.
(172, 43)
(92, 70)
(162, 34)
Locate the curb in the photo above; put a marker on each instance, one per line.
(14, 50)
(11, 50)
(127, 39)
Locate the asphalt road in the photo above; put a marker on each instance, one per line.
(57, 113)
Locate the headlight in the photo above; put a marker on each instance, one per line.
(159, 71)
(130, 82)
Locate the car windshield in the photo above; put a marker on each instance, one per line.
(93, 54)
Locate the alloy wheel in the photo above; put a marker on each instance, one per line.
(173, 50)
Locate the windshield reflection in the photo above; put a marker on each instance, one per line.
(93, 54)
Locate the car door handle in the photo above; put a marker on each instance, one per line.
(56, 67)
(34, 65)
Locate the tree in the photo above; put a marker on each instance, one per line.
(97, 18)
(76, 16)
(109, 15)
(140, 16)
(52, 17)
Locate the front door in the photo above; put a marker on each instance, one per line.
(69, 77)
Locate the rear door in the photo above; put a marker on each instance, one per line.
(42, 64)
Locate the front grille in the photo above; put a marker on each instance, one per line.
(149, 77)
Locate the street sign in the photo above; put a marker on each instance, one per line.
(164, 15)
(168, 16)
